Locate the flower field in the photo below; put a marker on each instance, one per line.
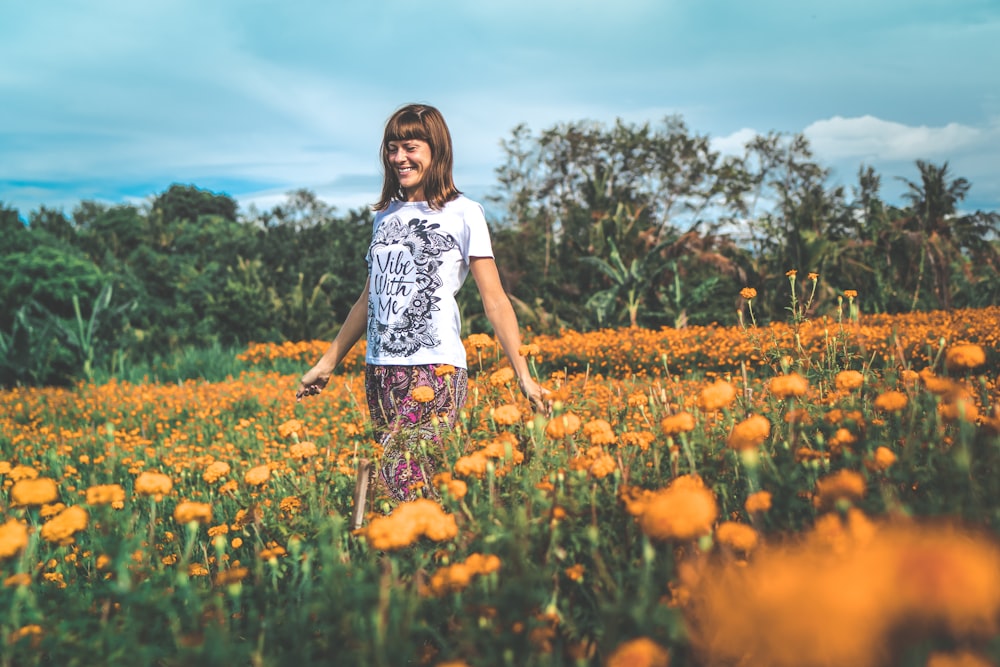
(825, 492)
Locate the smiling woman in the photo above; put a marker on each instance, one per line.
(426, 238)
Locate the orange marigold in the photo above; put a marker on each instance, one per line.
(290, 428)
(257, 475)
(105, 494)
(444, 370)
(883, 458)
(748, 293)
(13, 538)
(423, 394)
(562, 425)
(507, 415)
(188, 511)
(153, 484)
(61, 528)
(964, 357)
(34, 491)
(749, 433)
(684, 510)
(716, 396)
(737, 536)
(759, 501)
(842, 485)
(303, 450)
(640, 652)
(682, 422)
(788, 386)
(479, 341)
(502, 376)
(849, 380)
(891, 401)
(409, 522)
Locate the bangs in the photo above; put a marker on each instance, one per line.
(406, 126)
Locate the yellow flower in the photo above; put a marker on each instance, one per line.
(423, 394)
(34, 491)
(749, 433)
(105, 494)
(641, 652)
(257, 475)
(13, 538)
(61, 528)
(188, 511)
(153, 484)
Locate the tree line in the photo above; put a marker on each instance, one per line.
(593, 226)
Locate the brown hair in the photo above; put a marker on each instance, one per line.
(423, 122)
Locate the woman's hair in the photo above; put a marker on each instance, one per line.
(423, 122)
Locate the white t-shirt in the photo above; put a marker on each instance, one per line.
(417, 261)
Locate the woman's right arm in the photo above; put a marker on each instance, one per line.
(317, 377)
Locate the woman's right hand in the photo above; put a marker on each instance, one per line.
(313, 382)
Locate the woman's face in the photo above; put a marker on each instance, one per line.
(411, 158)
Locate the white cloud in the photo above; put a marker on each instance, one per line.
(733, 144)
(872, 138)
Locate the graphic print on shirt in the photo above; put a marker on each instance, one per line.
(405, 257)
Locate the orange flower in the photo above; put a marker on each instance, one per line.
(501, 377)
(562, 426)
(61, 528)
(684, 510)
(529, 350)
(479, 341)
(716, 396)
(599, 432)
(788, 386)
(891, 401)
(851, 293)
(423, 394)
(641, 652)
(105, 494)
(682, 422)
(749, 433)
(960, 659)
(849, 380)
(602, 466)
(303, 450)
(737, 536)
(842, 485)
(215, 471)
(575, 572)
(409, 522)
(13, 538)
(153, 484)
(507, 415)
(188, 511)
(758, 502)
(257, 475)
(883, 459)
(233, 575)
(748, 293)
(34, 491)
(444, 370)
(966, 357)
(290, 428)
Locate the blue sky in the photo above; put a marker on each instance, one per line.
(114, 100)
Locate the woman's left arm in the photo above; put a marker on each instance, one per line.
(500, 313)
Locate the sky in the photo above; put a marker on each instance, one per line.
(115, 100)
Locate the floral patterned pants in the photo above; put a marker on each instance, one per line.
(411, 443)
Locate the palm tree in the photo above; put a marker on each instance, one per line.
(941, 235)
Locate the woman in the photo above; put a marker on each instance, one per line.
(426, 238)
